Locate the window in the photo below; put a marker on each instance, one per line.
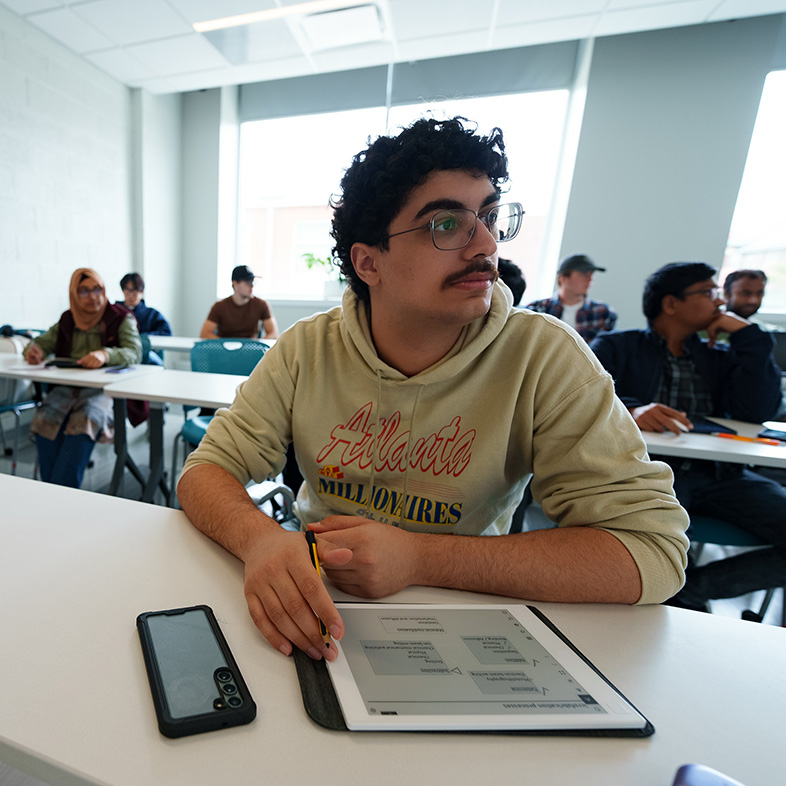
(289, 168)
(757, 238)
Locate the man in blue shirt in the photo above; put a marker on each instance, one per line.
(150, 320)
(570, 302)
(667, 376)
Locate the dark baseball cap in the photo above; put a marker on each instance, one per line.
(580, 262)
(243, 273)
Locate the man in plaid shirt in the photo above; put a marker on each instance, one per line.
(570, 302)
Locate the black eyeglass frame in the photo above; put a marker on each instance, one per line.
(478, 217)
(706, 292)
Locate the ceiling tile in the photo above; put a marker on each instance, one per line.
(418, 20)
(121, 65)
(132, 21)
(69, 29)
(205, 10)
(571, 29)
(655, 17)
(255, 43)
(178, 55)
(27, 7)
(729, 9)
(515, 12)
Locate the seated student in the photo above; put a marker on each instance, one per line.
(148, 319)
(570, 302)
(666, 375)
(240, 314)
(513, 278)
(418, 410)
(72, 419)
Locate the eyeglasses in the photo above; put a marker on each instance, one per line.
(712, 294)
(454, 229)
(131, 291)
(84, 292)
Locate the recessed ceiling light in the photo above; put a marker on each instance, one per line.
(314, 7)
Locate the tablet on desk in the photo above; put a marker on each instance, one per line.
(704, 426)
(470, 668)
(62, 363)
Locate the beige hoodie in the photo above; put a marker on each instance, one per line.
(450, 449)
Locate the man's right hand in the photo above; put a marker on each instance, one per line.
(33, 354)
(659, 417)
(285, 594)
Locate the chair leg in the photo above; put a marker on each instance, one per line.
(173, 490)
(758, 616)
(18, 417)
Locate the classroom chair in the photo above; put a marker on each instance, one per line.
(707, 529)
(217, 356)
(16, 396)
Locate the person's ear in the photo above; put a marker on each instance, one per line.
(364, 260)
(668, 303)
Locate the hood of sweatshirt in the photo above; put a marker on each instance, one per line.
(473, 340)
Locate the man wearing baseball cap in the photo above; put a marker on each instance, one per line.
(570, 302)
(239, 315)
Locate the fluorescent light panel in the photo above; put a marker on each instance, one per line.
(314, 7)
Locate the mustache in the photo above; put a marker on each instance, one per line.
(476, 266)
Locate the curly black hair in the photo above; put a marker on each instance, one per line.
(381, 177)
(671, 279)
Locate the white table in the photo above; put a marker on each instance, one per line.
(705, 446)
(185, 343)
(13, 366)
(76, 705)
(190, 388)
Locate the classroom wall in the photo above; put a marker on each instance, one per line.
(667, 124)
(92, 173)
(65, 186)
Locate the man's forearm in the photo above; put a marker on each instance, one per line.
(220, 507)
(573, 565)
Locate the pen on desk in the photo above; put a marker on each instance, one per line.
(312, 550)
(760, 440)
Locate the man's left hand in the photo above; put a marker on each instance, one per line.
(725, 322)
(383, 557)
(94, 359)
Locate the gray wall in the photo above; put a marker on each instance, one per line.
(665, 134)
(65, 183)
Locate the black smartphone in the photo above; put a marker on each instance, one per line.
(62, 363)
(196, 683)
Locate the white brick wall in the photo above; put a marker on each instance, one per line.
(65, 183)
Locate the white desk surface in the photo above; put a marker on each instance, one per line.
(14, 366)
(185, 343)
(76, 568)
(705, 446)
(191, 388)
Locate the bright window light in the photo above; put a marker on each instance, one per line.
(757, 237)
(290, 167)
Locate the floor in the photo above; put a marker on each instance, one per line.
(98, 477)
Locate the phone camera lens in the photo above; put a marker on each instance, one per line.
(234, 701)
(224, 675)
(229, 688)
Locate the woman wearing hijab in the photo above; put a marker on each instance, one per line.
(96, 333)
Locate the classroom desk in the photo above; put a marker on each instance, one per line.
(77, 709)
(705, 446)
(14, 366)
(186, 343)
(190, 388)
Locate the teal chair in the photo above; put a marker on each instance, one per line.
(707, 529)
(216, 356)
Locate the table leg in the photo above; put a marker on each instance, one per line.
(156, 477)
(123, 459)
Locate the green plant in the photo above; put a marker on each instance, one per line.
(326, 263)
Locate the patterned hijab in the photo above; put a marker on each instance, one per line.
(83, 318)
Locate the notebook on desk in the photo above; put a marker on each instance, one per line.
(501, 669)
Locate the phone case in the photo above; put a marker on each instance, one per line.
(195, 681)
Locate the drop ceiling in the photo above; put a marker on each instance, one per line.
(151, 43)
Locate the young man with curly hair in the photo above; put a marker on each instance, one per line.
(421, 407)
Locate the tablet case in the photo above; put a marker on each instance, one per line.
(321, 702)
